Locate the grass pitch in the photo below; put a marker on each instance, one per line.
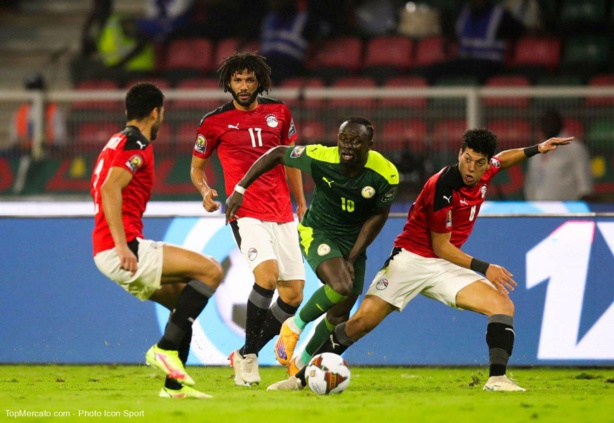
(381, 395)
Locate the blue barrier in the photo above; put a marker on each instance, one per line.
(58, 308)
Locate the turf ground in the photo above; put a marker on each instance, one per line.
(380, 395)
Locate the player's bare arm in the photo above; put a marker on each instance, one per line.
(514, 156)
(295, 181)
(199, 179)
(266, 162)
(499, 276)
(111, 197)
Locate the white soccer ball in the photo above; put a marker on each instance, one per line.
(327, 373)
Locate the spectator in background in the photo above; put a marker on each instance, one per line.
(483, 29)
(164, 19)
(526, 11)
(112, 47)
(287, 31)
(54, 125)
(563, 175)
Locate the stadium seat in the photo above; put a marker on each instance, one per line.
(503, 81)
(188, 57)
(92, 136)
(161, 83)
(104, 105)
(405, 82)
(431, 50)
(536, 56)
(512, 133)
(586, 55)
(202, 106)
(583, 16)
(387, 56)
(448, 135)
(606, 80)
(300, 82)
(400, 134)
(311, 131)
(337, 57)
(226, 47)
(356, 82)
(185, 137)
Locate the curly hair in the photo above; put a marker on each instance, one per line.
(239, 62)
(481, 141)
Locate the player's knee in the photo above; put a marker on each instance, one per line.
(342, 287)
(292, 296)
(501, 305)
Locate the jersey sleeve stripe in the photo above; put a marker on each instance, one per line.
(382, 166)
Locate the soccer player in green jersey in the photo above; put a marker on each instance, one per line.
(354, 188)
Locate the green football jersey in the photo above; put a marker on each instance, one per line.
(340, 204)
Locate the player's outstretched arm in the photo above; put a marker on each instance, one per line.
(266, 162)
(514, 156)
(199, 179)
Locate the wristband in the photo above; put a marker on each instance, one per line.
(239, 189)
(531, 151)
(479, 266)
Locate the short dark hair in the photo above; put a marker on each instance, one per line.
(361, 121)
(238, 62)
(141, 99)
(551, 123)
(481, 141)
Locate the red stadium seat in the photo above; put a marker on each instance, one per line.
(431, 50)
(387, 56)
(161, 83)
(337, 57)
(202, 105)
(226, 47)
(601, 81)
(92, 136)
(512, 133)
(190, 54)
(537, 52)
(404, 82)
(104, 105)
(354, 82)
(312, 132)
(574, 127)
(185, 136)
(502, 81)
(300, 82)
(448, 134)
(399, 134)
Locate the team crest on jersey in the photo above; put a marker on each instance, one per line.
(272, 121)
(297, 151)
(252, 253)
(323, 249)
(483, 191)
(201, 144)
(292, 130)
(449, 219)
(368, 192)
(381, 284)
(495, 163)
(389, 196)
(134, 162)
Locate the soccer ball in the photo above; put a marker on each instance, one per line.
(327, 373)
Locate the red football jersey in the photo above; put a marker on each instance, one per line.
(130, 150)
(445, 204)
(240, 138)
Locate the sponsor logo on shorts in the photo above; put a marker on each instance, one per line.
(323, 249)
(201, 144)
(134, 162)
(272, 121)
(252, 253)
(381, 284)
(496, 163)
(368, 192)
(297, 152)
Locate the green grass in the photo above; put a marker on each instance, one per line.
(375, 395)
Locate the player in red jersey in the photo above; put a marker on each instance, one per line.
(179, 279)
(241, 131)
(427, 258)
